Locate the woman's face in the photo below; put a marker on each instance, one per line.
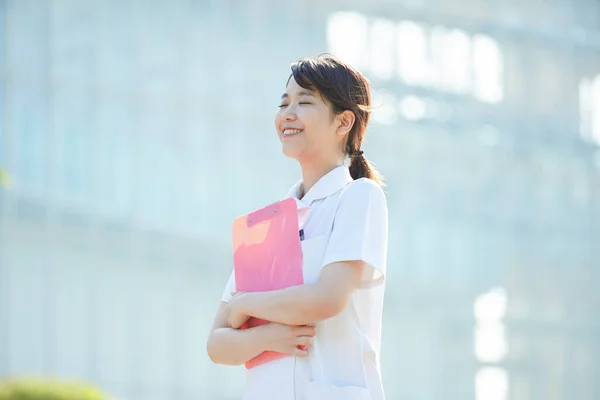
(305, 125)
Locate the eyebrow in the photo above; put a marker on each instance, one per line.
(300, 93)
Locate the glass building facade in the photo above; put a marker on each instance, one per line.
(135, 132)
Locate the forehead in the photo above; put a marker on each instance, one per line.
(293, 89)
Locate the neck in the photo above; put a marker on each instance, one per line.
(312, 172)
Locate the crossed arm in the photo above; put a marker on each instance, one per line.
(364, 215)
(292, 308)
(303, 304)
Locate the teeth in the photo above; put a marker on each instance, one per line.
(291, 131)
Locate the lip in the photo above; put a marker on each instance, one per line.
(292, 132)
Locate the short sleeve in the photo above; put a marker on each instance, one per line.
(360, 230)
(229, 288)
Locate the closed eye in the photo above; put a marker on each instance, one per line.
(302, 103)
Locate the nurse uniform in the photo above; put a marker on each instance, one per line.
(348, 220)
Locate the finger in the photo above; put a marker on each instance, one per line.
(299, 352)
(306, 331)
(236, 321)
(304, 340)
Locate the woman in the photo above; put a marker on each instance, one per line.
(321, 122)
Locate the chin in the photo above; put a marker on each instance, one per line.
(291, 152)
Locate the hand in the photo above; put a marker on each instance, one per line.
(236, 317)
(288, 339)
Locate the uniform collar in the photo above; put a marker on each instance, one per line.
(329, 184)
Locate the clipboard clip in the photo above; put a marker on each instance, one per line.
(264, 214)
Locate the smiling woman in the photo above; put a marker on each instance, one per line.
(321, 123)
(321, 92)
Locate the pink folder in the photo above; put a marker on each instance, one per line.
(267, 255)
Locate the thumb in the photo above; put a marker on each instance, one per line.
(299, 352)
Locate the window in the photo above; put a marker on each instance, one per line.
(114, 131)
(589, 108)
(454, 52)
(413, 65)
(434, 57)
(152, 169)
(487, 70)
(347, 34)
(2, 86)
(491, 381)
(382, 48)
(72, 129)
(27, 126)
(26, 118)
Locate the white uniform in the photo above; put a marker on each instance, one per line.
(347, 221)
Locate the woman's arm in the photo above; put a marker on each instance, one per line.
(230, 346)
(303, 304)
(355, 255)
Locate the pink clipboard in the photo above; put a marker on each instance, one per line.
(267, 255)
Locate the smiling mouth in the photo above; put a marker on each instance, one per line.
(291, 132)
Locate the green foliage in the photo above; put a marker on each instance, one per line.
(36, 389)
(4, 179)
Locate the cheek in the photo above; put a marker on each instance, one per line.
(318, 122)
(310, 119)
(277, 118)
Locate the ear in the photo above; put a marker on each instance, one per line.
(345, 122)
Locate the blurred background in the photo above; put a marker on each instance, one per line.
(134, 132)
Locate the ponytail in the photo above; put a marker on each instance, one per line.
(360, 167)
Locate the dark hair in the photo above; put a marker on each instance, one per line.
(346, 89)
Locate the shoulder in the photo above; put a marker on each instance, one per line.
(362, 196)
(363, 189)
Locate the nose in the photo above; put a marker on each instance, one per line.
(289, 113)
